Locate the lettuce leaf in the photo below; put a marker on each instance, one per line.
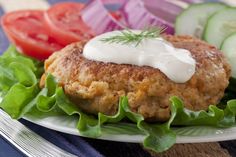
(18, 82)
(213, 117)
(21, 95)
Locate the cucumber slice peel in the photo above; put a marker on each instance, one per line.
(220, 25)
(229, 49)
(192, 20)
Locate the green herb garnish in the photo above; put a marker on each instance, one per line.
(127, 36)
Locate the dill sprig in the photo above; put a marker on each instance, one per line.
(127, 36)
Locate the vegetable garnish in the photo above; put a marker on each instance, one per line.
(64, 22)
(196, 16)
(26, 30)
(100, 19)
(127, 36)
(21, 96)
(140, 13)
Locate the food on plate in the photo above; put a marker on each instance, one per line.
(192, 20)
(120, 81)
(214, 23)
(96, 86)
(142, 13)
(219, 26)
(100, 19)
(26, 30)
(49, 30)
(229, 50)
(64, 22)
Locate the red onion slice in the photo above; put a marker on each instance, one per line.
(98, 18)
(193, 1)
(139, 16)
(165, 9)
(135, 14)
(113, 1)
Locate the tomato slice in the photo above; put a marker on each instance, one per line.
(26, 30)
(64, 22)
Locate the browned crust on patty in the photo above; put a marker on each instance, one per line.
(96, 86)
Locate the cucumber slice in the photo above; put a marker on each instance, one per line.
(192, 20)
(229, 49)
(219, 26)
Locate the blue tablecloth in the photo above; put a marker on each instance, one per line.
(7, 150)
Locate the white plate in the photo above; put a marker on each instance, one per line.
(195, 134)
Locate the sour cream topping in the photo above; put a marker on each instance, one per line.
(177, 64)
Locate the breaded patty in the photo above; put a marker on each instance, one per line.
(97, 86)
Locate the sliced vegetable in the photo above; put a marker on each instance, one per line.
(229, 49)
(26, 30)
(193, 20)
(64, 22)
(219, 26)
(158, 8)
(139, 16)
(99, 19)
(113, 1)
(194, 1)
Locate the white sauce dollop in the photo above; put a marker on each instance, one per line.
(177, 64)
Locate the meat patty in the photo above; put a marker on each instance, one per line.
(97, 86)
